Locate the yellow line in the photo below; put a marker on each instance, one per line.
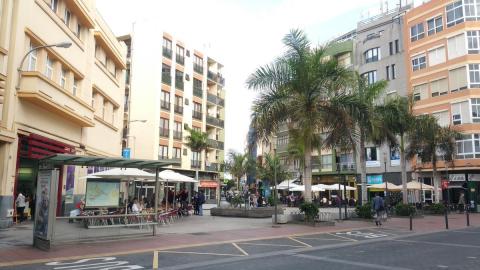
(199, 253)
(298, 241)
(270, 245)
(155, 260)
(240, 249)
(350, 239)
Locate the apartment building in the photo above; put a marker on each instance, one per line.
(379, 55)
(172, 86)
(443, 60)
(65, 97)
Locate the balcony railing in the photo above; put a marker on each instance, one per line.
(161, 157)
(177, 135)
(198, 92)
(196, 163)
(164, 132)
(221, 80)
(212, 167)
(215, 144)
(211, 76)
(166, 79)
(197, 115)
(215, 121)
(180, 59)
(165, 105)
(347, 166)
(179, 83)
(197, 68)
(215, 100)
(178, 109)
(167, 53)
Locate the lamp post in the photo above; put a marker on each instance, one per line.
(387, 197)
(19, 69)
(339, 191)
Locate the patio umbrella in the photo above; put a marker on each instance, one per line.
(302, 188)
(338, 186)
(122, 174)
(171, 176)
(414, 185)
(390, 187)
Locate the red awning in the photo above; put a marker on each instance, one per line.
(208, 184)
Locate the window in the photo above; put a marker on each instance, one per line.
(454, 13)
(54, 5)
(390, 47)
(372, 55)
(177, 153)
(371, 157)
(420, 92)
(195, 156)
(32, 59)
(166, 78)
(75, 87)
(165, 100)
(326, 163)
(198, 64)
(475, 110)
(63, 78)
(180, 55)
(468, 146)
(178, 108)
(177, 132)
(197, 88)
(163, 152)
(474, 75)
(197, 110)
(473, 42)
(164, 127)
(417, 32)
(457, 79)
(435, 25)
(419, 62)
(394, 73)
(370, 76)
(197, 129)
(472, 10)
(456, 46)
(167, 48)
(178, 79)
(67, 17)
(397, 46)
(49, 68)
(436, 56)
(79, 31)
(443, 118)
(457, 113)
(387, 70)
(439, 87)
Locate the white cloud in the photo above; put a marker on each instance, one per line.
(240, 34)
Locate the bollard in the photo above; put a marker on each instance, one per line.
(446, 218)
(468, 216)
(411, 221)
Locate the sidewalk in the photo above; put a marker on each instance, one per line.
(208, 230)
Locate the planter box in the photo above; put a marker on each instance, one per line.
(262, 212)
(281, 219)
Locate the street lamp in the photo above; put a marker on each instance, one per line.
(65, 44)
(387, 197)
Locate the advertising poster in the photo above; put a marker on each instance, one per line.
(45, 203)
(102, 193)
(374, 179)
(70, 184)
(394, 156)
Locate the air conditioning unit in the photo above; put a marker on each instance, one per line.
(187, 77)
(186, 101)
(187, 53)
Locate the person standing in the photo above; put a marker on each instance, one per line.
(461, 202)
(378, 206)
(201, 201)
(20, 203)
(195, 203)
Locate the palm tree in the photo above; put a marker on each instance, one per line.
(395, 119)
(237, 166)
(430, 142)
(197, 142)
(270, 167)
(303, 87)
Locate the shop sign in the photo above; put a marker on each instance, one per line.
(374, 179)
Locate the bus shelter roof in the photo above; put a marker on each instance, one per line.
(113, 162)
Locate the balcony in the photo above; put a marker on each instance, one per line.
(197, 115)
(166, 79)
(2, 94)
(160, 157)
(41, 91)
(180, 59)
(197, 68)
(177, 135)
(221, 80)
(215, 144)
(165, 105)
(198, 92)
(179, 83)
(178, 109)
(212, 76)
(212, 167)
(164, 132)
(167, 53)
(347, 167)
(196, 164)
(215, 121)
(215, 100)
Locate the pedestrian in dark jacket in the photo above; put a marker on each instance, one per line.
(378, 206)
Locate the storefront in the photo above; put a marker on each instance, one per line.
(209, 189)
(458, 184)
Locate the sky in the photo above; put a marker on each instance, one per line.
(241, 34)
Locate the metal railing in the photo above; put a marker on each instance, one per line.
(164, 132)
(213, 167)
(221, 80)
(211, 76)
(198, 92)
(164, 104)
(179, 83)
(197, 68)
(215, 121)
(178, 109)
(178, 135)
(180, 59)
(215, 99)
(347, 166)
(196, 163)
(215, 144)
(162, 157)
(166, 79)
(167, 53)
(197, 115)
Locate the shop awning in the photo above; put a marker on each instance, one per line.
(112, 162)
(208, 184)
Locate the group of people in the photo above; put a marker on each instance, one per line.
(256, 200)
(25, 205)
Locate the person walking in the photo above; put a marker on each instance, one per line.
(461, 202)
(195, 203)
(20, 203)
(201, 201)
(378, 206)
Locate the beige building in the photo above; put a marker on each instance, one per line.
(171, 86)
(59, 100)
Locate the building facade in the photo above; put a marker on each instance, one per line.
(443, 60)
(61, 99)
(180, 88)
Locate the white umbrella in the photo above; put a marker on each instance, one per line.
(414, 185)
(122, 174)
(302, 188)
(390, 186)
(171, 176)
(338, 186)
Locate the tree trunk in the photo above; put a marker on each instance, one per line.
(403, 164)
(435, 179)
(308, 171)
(363, 168)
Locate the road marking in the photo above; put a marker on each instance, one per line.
(442, 266)
(343, 237)
(367, 235)
(105, 263)
(155, 260)
(327, 239)
(272, 245)
(471, 257)
(435, 243)
(199, 253)
(382, 231)
(240, 249)
(366, 265)
(298, 241)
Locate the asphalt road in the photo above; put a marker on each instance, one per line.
(363, 249)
